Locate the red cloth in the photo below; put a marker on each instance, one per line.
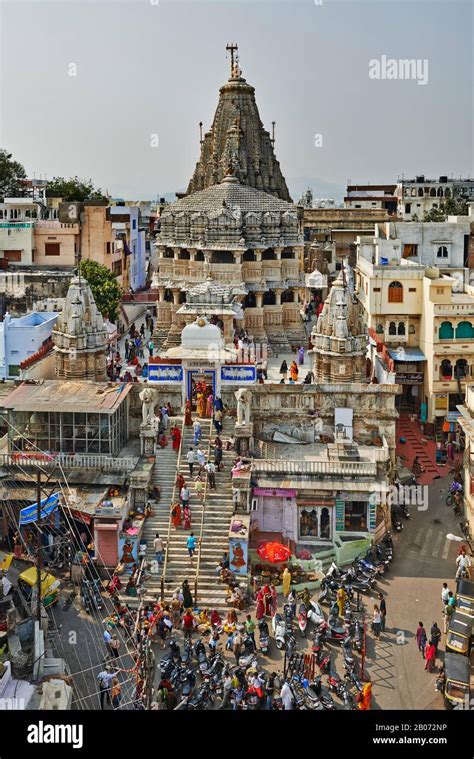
(176, 437)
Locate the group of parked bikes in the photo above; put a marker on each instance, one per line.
(198, 674)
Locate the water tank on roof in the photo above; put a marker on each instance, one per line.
(443, 179)
(421, 178)
(383, 261)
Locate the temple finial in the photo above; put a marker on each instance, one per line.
(232, 48)
(200, 132)
(273, 132)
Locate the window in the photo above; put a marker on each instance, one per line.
(461, 368)
(446, 369)
(355, 517)
(410, 250)
(315, 523)
(222, 257)
(376, 289)
(407, 207)
(117, 268)
(392, 328)
(12, 255)
(249, 255)
(268, 255)
(379, 329)
(464, 330)
(446, 331)
(401, 328)
(134, 223)
(395, 292)
(412, 289)
(442, 252)
(288, 254)
(52, 248)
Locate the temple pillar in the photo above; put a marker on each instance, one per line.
(277, 297)
(176, 296)
(296, 296)
(259, 300)
(258, 254)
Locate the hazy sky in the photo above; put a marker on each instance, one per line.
(149, 67)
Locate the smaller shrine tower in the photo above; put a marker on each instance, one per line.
(80, 336)
(339, 338)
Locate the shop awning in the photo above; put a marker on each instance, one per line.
(407, 354)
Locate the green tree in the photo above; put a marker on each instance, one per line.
(105, 288)
(12, 175)
(72, 189)
(450, 207)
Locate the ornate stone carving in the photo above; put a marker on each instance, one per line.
(148, 397)
(244, 402)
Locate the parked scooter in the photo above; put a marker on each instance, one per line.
(279, 630)
(264, 636)
(315, 613)
(302, 620)
(200, 654)
(396, 519)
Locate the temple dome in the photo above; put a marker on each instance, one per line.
(201, 334)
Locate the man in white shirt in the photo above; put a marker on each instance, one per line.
(184, 495)
(107, 638)
(159, 547)
(197, 431)
(201, 457)
(464, 562)
(191, 459)
(105, 678)
(445, 593)
(211, 474)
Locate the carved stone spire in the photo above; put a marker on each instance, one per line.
(339, 338)
(238, 138)
(80, 336)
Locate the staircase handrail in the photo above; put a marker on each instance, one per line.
(173, 499)
(206, 482)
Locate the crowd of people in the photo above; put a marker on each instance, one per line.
(136, 343)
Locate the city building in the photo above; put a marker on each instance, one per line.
(369, 196)
(23, 337)
(417, 196)
(466, 422)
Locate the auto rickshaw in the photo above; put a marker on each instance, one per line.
(456, 689)
(24, 576)
(465, 597)
(459, 634)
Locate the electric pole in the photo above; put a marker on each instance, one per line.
(39, 546)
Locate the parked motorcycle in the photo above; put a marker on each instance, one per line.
(264, 636)
(302, 620)
(315, 613)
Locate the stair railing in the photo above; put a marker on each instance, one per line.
(206, 482)
(173, 500)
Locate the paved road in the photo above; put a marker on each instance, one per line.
(424, 559)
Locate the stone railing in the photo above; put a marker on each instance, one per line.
(323, 467)
(70, 461)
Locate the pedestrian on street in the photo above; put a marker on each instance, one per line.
(187, 597)
(197, 431)
(448, 612)
(191, 459)
(104, 679)
(416, 467)
(188, 624)
(376, 622)
(107, 637)
(451, 599)
(211, 474)
(284, 369)
(250, 630)
(151, 348)
(383, 611)
(286, 695)
(270, 689)
(435, 636)
(162, 631)
(116, 693)
(421, 638)
(176, 611)
(159, 547)
(199, 488)
(430, 656)
(237, 646)
(445, 593)
(227, 690)
(184, 495)
(191, 545)
(115, 645)
(201, 457)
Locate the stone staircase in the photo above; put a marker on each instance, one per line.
(164, 476)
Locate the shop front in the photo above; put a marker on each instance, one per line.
(315, 518)
(409, 373)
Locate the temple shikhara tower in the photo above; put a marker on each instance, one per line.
(80, 336)
(236, 226)
(339, 338)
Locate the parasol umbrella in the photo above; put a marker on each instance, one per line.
(274, 552)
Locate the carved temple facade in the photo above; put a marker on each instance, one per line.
(237, 226)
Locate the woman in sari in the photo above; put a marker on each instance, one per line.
(180, 482)
(176, 516)
(274, 602)
(267, 600)
(176, 438)
(294, 371)
(260, 610)
(188, 419)
(187, 518)
(201, 405)
(209, 405)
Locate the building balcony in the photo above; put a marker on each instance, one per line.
(317, 467)
(58, 227)
(75, 461)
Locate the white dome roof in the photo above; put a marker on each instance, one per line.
(201, 334)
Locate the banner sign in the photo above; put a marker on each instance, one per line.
(165, 373)
(47, 506)
(340, 514)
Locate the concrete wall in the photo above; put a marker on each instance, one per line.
(20, 338)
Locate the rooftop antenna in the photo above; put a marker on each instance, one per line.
(273, 133)
(200, 132)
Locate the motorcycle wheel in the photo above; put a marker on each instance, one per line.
(280, 645)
